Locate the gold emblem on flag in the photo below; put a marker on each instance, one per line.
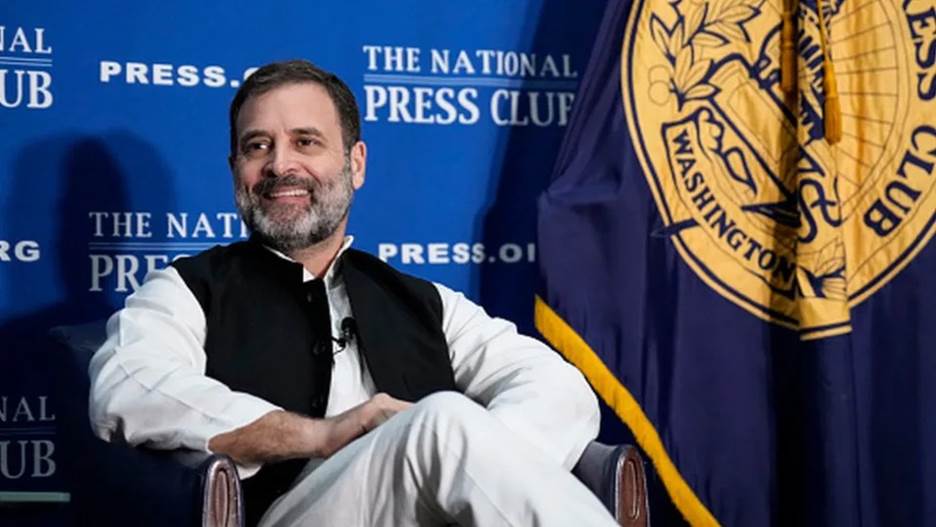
(757, 200)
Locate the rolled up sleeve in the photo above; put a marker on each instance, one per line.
(148, 381)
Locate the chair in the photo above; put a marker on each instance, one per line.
(197, 488)
(134, 486)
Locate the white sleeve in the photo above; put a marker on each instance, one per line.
(520, 380)
(148, 382)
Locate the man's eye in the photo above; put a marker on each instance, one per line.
(255, 147)
(307, 141)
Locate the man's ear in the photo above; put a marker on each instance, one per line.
(358, 164)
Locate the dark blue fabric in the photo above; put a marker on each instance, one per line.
(765, 428)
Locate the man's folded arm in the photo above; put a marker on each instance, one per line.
(527, 385)
(148, 387)
(148, 382)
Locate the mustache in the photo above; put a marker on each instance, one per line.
(292, 181)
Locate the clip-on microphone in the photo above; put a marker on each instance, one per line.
(348, 331)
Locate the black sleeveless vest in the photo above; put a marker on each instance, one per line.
(268, 334)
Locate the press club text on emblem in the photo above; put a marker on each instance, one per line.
(906, 186)
(33, 85)
(922, 26)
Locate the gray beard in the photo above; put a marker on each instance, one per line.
(290, 227)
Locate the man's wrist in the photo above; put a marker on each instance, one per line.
(314, 435)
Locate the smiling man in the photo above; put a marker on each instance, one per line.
(347, 392)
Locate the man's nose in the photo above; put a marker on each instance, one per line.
(282, 162)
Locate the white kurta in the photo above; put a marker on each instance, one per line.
(148, 381)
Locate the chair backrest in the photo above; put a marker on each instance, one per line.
(81, 339)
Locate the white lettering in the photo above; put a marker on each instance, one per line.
(372, 52)
(43, 415)
(26, 251)
(101, 266)
(39, 95)
(5, 91)
(439, 60)
(463, 64)
(43, 459)
(177, 226)
(385, 251)
(412, 253)
(22, 409)
(136, 72)
(162, 74)
(127, 266)
(5, 459)
(438, 253)
(108, 69)
(20, 40)
(227, 219)
(214, 77)
(203, 226)
(40, 44)
(374, 97)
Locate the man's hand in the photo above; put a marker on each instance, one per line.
(282, 435)
(359, 420)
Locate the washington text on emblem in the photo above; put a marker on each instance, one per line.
(756, 201)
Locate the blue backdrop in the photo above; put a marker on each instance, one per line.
(113, 160)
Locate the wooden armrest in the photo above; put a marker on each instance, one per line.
(616, 475)
(222, 496)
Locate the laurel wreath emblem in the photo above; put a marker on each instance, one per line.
(705, 25)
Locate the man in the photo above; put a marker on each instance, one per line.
(424, 411)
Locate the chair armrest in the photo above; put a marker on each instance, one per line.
(616, 475)
(222, 495)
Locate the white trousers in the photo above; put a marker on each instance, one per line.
(443, 461)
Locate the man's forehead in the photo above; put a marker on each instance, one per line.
(293, 105)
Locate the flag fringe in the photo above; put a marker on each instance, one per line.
(616, 396)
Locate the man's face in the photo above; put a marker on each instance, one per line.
(293, 181)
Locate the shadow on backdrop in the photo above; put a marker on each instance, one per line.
(56, 182)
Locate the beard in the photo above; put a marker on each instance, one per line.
(288, 226)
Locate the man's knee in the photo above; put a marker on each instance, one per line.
(448, 410)
(446, 403)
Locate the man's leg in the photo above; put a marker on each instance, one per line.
(445, 460)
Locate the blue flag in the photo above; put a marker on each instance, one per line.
(734, 248)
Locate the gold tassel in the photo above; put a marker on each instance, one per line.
(788, 52)
(832, 111)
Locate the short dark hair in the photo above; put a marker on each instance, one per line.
(278, 74)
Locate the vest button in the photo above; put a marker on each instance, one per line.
(320, 402)
(320, 348)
